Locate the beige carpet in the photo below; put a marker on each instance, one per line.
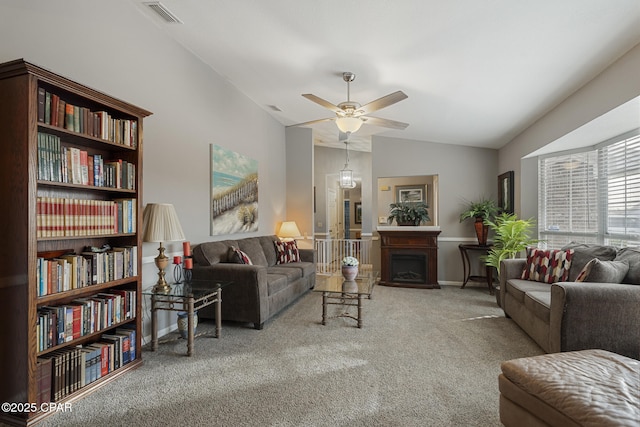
(423, 358)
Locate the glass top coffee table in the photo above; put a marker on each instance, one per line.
(187, 297)
(347, 293)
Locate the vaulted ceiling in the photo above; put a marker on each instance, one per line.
(476, 72)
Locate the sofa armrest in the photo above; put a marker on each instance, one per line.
(509, 269)
(307, 255)
(595, 315)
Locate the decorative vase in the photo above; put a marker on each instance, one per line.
(482, 231)
(406, 223)
(349, 272)
(183, 326)
(350, 286)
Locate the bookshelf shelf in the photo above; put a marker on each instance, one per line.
(74, 166)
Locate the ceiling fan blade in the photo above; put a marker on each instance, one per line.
(326, 104)
(312, 122)
(383, 102)
(376, 121)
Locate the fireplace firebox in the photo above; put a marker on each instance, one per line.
(409, 257)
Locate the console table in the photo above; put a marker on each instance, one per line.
(466, 265)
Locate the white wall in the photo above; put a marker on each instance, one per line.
(616, 85)
(193, 106)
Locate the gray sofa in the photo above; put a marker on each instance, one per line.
(259, 291)
(569, 316)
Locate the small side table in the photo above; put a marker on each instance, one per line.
(189, 297)
(466, 265)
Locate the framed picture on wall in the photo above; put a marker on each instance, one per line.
(357, 212)
(505, 192)
(411, 193)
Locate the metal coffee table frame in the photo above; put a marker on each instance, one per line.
(333, 293)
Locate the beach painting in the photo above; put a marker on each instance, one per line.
(234, 192)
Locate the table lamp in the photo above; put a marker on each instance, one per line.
(289, 231)
(161, 225)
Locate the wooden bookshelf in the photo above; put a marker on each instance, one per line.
(108, 129)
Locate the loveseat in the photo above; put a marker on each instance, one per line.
(266, 278)
(601, 311)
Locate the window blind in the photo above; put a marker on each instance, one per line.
(591, 196)
(620, 165)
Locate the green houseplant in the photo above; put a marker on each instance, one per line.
(408, 213)
(483, 210)
(512, 235)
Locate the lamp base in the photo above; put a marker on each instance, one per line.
(161, 288)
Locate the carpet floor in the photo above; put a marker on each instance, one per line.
(423, 358)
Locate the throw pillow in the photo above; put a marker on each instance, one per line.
(547, 266)
(603, 271)
(236, 256)
(286, 252)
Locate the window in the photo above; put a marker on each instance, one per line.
(591, 196)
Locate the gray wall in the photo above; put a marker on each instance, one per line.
(193, 107)
(464, 174)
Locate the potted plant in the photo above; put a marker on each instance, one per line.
(408, 213)
(512, 235)
(483, 211)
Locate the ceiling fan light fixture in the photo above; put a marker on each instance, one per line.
(348, 124)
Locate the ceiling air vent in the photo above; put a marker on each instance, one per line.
(164, 13)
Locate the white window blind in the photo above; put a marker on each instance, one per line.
(591, 196)
(568, 198)
(620, 166)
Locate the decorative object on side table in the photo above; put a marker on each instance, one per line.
(483, 211)
(350, 267)
(183, 324)
(161, 225)
(177, 270)
(408, 213)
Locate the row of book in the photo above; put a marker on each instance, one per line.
(65, 371)
(52, 110)
(72, 165)
(60, 217)
(74, 271)
(83, 316)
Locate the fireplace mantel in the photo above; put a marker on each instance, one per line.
(407, 241)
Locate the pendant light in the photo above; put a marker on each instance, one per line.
(346, 174)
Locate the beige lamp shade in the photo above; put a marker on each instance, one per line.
(289, 229)
(161, 223)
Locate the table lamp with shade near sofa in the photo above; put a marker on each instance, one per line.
(288, 231)
(161, 225)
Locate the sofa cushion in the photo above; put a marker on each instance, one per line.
(269, 250)
(539, 302)
(632, 256)
(548, 266)
(291, 273)
(276, 283)
(604, 271)
(519, 287)
(306, 268)
(583, 253)
(236, 256)
(252, 247)
(287, 252)
(210, 253)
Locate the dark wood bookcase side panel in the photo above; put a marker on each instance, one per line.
(20, 82)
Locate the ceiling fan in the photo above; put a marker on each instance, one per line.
(350, 115)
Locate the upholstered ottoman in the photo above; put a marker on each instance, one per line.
(580, 388)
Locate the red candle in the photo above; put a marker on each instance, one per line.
(188, 263)
(177, 259)
(186, 248)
